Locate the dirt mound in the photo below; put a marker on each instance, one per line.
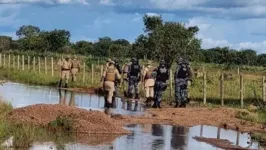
(219, 117)
(83, 121)
(220, 143)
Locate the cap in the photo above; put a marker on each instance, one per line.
(109, 60)
(149, 62)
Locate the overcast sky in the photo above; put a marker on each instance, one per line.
(235, 23)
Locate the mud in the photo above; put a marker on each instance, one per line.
(220, 143)
(84, 121)
(219, 117)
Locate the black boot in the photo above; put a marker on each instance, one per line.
(154, 104)
(66, 85)
(125, 94)
(130, 95)
(148, 102)
(176, 105)
(159, 105)
(137, 96)
(60, 83)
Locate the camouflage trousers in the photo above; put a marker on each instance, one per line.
(133, 86)
(159, 88)
(181, 91)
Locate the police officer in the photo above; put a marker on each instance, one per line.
(109, 77)
(65, 71)
(183, 77)
(125, 77)
(148, 81)
(162, 75)
(134, 76)
(117, 81)
(75, 68)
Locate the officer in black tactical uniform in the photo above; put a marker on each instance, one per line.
(162, 75)
(183, 76)
(134, 75)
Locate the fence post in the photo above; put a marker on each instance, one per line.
(18, 61)
(1, 60)
(23, 63)
(45, 65)
(263, 89)
(28, 62)
(222, 89)
(171, 83)
(9, 60)
(92, 73)
(101, 70)
(4, 60)
(52, 66)
(39, 64)
(238, 70)
(204, 87)
(34, 62)
(14, 61)
(241, 91)
(84, 72)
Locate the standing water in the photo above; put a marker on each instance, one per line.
(148, 137)
(20, 95)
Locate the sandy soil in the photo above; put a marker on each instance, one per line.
(91, 122)
(220, 143)
(219, 117)
(98, 122)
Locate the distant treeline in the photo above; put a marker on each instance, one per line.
(31, 38)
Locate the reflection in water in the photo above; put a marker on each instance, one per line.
(63, 98)
(179, 138)
(20, 95)
(72, 99)
(152, 138)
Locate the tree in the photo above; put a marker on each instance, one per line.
(248, 56)
(141, 47)
(261, 60)
(102, 47)
(56, 39)
(27, 30)
(84, 47)
(172, 40)
(5, 43)
(152, 22)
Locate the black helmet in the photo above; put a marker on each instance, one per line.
(133, 60)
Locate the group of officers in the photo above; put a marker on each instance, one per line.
(69, 68)
(154, 80)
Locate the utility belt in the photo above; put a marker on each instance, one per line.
(63, 69)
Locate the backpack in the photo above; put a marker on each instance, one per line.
(183, 71)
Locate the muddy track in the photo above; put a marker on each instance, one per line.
(219, 117)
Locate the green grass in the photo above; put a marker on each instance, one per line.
(35, 78)
(260, 137)
(252, 81)
(24, 135)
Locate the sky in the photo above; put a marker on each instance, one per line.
(238, 24)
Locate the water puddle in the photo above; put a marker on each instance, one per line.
(20, 95)
(148, 137)
(151, 137)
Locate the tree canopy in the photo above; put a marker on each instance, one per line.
(159, 40)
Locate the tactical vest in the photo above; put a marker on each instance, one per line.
(135, 70)
(162, 74)
(149, 73)
(110, 74)
(66, 65)
(75, 64)
(183, 71)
